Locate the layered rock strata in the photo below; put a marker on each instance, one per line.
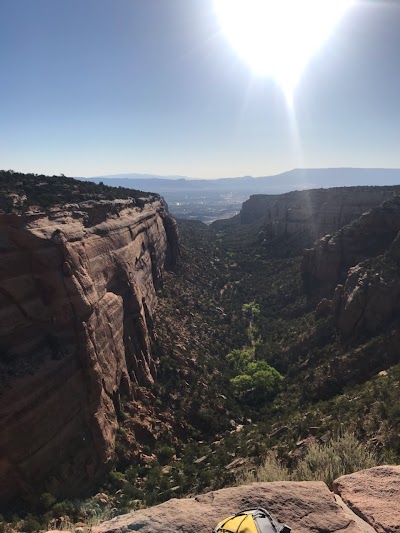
(328, 262)
(313, 213)
(77, 292)
(357, 267)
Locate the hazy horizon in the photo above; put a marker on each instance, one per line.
(146, 175)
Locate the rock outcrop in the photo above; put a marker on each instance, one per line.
(357, 267)
(328, 262)
(370, 299)
(374, 495)
(77, 292)
(304, 506)
(311, 214)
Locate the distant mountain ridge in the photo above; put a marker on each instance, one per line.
(296, 179)
(136, 175)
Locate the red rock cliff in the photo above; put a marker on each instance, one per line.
(308, 215)
(77, 291)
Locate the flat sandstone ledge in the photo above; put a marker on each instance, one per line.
(305, 506)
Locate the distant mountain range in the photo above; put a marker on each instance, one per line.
(296, 179)
(213, 199)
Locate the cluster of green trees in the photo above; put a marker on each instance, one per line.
(255, 381)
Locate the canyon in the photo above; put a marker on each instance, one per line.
(116, 322)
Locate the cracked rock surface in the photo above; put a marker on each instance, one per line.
(304, 506)
(374, 495)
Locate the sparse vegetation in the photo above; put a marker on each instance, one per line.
(321, 462)
(20, 192)
(250, 385)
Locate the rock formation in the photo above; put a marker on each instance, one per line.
(313, 213)
(328, 262)
(370, 299)
(77, 292)
(358, 265)
(374, 495)
(304, 506)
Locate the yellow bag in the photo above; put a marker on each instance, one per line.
(251, 521)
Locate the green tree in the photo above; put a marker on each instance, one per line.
(258, 382)
(239, 359)
(242, 384)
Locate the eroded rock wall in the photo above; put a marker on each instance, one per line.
(327, 263)
(77, 292)
(358, 269)
(313, 213)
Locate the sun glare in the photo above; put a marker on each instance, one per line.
(277, 38)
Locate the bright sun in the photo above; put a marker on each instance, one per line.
(278, 37)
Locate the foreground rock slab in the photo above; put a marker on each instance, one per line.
(374, 495)
(304, 506)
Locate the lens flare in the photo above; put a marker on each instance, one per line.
(277, 38)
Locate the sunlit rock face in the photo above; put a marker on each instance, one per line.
(308, 215)
(77, 292)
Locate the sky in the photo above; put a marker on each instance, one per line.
(96, 87)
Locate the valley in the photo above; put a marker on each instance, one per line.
(262, 347)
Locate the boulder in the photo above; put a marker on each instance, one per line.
(374, 495)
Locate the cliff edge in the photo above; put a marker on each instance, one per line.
(78, 288)
(308, 215)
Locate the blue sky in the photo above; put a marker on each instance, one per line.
(94, 87)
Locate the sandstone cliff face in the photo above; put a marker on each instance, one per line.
(77, 292)
(314, 213)
(370, 235)
(369, 300)
(361, 260)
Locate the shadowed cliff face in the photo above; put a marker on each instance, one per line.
(358, 267)
(77, 293)
(327, 263)
(308, 215)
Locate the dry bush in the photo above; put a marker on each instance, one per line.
(270, 470)
(322, 462)
(326, 462)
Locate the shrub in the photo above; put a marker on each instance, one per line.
(251, 309)
(30, 524)
(46, 501)
(270, 470)
(165, 454)
(327, 462)
(117, 479)
(322, 462)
